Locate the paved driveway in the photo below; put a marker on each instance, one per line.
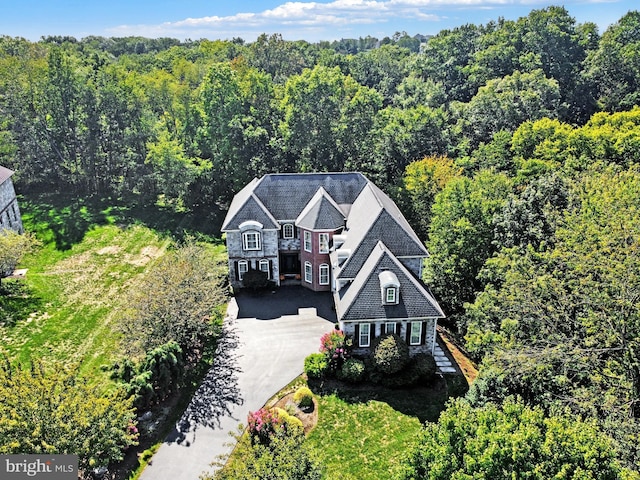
(257, 358)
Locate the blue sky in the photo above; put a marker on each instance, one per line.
(295, 20)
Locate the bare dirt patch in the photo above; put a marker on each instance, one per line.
(147, 254)
(110, 250)
(468, 368)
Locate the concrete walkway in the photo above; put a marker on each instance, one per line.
(256, 359)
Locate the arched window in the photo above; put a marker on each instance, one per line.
(288, 231)
(308, 272)
(323, 274)
(264, 267)
(243, 267)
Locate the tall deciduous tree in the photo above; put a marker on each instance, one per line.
(503, 104)
(53, 410)
(512, 441)
(176, 301)
(423, 180)
(14, 246)
(573, 308)
(327, 116)
(461, 236)
(615, 66)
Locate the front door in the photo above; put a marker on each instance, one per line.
(289, 264)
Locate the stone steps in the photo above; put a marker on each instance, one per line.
(443, 364)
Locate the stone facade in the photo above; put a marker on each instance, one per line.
(9, 212)
(268, 251)
(378, 328)
(356, 239)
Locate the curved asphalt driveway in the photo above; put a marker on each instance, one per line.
(257, 358)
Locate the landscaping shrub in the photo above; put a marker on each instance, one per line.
(316, 365)
(303, 397)
(159, 374)
(352, 371)
(424, 367)
(292, 424)
(390, 354)
(256, 279)
(420, 369)
(337, 348)
(263, 424)
(286, 457)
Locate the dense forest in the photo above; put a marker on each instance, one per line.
(512, 147)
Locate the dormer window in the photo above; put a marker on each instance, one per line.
(391, 294)
(389, 287)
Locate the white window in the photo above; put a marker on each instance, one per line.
(323, 241)
(389, 328)
(324, 274)
(264, 267)
(251, 240)
(243, 267)
(307, 241)
(308, 272)
(391, 295)
(416, 333)
(288, 231)
(365, 335)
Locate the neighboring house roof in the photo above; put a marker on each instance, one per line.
(361, 299)
(321, 213)
(5, 173)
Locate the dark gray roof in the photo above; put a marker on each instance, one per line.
(252, 209)
(384, 228)
(5, 174)
(287, 194)
(322, 213)
(361, 299)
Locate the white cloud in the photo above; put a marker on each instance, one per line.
(314, 20)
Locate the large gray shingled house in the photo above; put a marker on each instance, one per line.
(336, 232)
(9, 212)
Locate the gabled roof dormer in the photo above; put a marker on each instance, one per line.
(246, 206)
(361, 298)
(321, 213)
(389, 287)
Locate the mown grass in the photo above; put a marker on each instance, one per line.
(359, 441)
(66, 309)
(364, 433)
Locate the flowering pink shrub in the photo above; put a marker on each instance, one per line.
(262, 424)
(336, 347)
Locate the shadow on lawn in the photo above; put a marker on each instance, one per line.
(17, 302)
(65, 219)
(423, 402)
(217, 394)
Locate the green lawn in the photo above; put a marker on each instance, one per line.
(364, 433)
(67, 306)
